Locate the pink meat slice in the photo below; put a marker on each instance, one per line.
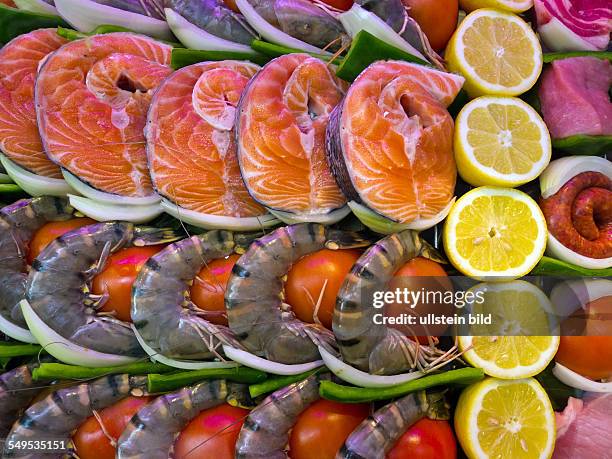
(574, 97)
(583, 428)
(589, 19)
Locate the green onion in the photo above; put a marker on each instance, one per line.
(14, 22)
(182, 57)
(14, 349)
(71, 34)
(549, 57)
(276, 382)
(8, 188)
(273, 50)
(552, 267)
(51, 371)
(584, 144)
(350, 394)
(366, 49)
(166, 383)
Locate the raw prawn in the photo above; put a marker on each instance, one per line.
(56, 416)
(304, 20)
(58, 284)
(256, 313)
(92, 97)
(214, 17)
(162, 311)
(282, 118)
(363, 343)
(18, 224)
(265, 432)
(377, 434)
(17, 389)
(153, 429)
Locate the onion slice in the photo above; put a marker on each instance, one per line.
(33, 184)
(36, 6)
(193, 37)
(360, 378)
(561, 170)
(105, 212)
(357, 19)
(252, 361)
(271, 33)
(556, 249)
(85, 16)
(573, 379)
(96, 195)
(182, 364)
(208, 221)
(325, 219)
(571, 295)
(66, 351)
(16, 332)
(383, 225)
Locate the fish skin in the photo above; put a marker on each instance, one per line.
(19, 137)
(574, 97)
(99, 136)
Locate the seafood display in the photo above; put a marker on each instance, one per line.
(92, 98)
(18, 223)
(281, 122)
(399, 110)
(300, 229)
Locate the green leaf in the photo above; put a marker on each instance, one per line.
(549, 57)
(366, 49)
(552, 267)
(14, 22)
(584, 144)
(182, 57)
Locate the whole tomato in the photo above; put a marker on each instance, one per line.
(426, 439)
(437, 18)
(51, 231)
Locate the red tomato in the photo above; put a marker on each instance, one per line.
(118, 276)
(211, 434)
(208, 290)
(437, 18)
(340, 4)
(89, 439)
(426, 439)
(590, 356)
(323, 427)
(51, 231)
(307, 277)
(432, 277)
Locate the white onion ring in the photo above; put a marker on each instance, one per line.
(258, 363)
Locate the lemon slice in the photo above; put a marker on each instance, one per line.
(505, 419)
(497, 53)
(521, 339)
(495, 233)
(500, 141)
(515, 6)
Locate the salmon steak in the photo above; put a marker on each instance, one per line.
(282, 117)
(390, 142)
(92, 99)
(191, 147)
(19, 138)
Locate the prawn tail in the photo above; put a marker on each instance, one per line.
(337, 239)
(428, 251)
(145, 235)
(437, 407)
